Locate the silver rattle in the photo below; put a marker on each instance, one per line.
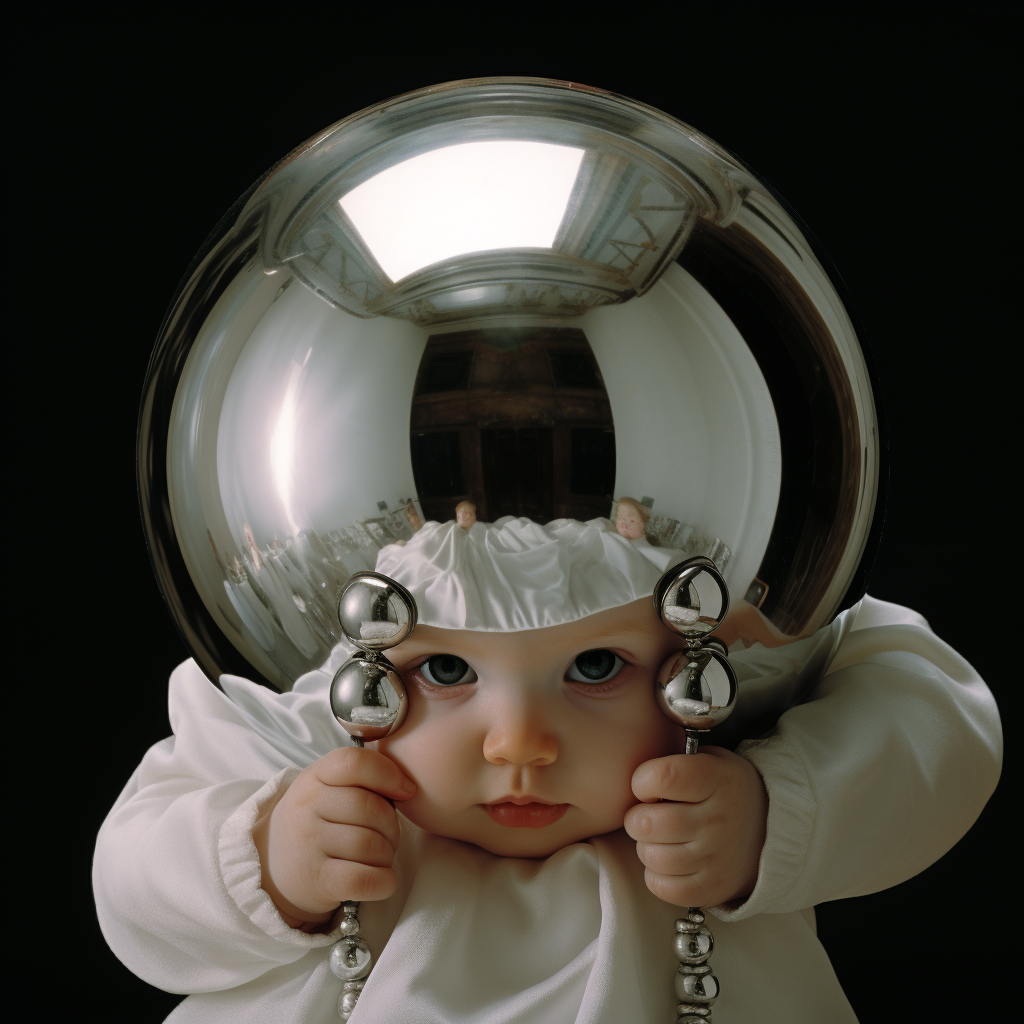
(369, 701)
(695, 688)
(367, 693)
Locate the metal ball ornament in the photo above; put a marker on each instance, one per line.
(367, 693)
(696, 687)
(692, 598)
(368, 697)
(632, 312)
(375, 611)
(350, 958)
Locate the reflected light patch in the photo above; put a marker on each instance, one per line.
(282, 442)
(472, 197)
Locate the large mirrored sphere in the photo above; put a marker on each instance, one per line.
(501, 297)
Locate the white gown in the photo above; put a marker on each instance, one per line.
(872, 779)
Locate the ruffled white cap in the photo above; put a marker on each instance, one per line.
(516, 574)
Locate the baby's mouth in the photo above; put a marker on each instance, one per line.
(525, 815)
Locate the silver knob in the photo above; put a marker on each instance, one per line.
(696, 687)
(367, 694)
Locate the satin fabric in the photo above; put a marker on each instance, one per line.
(516, 574)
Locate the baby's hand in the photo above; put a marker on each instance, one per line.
(332, 836)
(702, 844)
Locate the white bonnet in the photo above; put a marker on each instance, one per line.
(516, 574)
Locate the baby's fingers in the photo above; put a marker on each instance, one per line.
(686, 777)
(355, 843)
(350, 805)
(671, 858)
(664, 822)
(342, 880)
(369, 769)
(679, 890)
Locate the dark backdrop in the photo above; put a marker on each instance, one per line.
(887, 138)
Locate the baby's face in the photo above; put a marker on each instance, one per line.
(525, 742)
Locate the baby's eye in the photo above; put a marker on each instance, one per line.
(446, 670)
(594, 667)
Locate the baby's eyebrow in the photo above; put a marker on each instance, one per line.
(621, 637)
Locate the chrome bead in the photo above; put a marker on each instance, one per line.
(696, 688)
(689, 1013)
(346, 1004)
(696, 985)
(350, 959)
(375, 611)
(349, 925)
(692, 599)
(368, 697)
(694, 947)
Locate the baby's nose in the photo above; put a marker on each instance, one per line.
(520, 736)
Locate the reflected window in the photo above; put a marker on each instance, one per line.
(518, 477)
(472, 197)
(516, 420)
(592, 462)
(574, 370)
(437, 464)
(445, 372)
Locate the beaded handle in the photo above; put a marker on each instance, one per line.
(697, 690)
(350, 960)
(696, 986)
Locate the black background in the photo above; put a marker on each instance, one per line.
(888, 137)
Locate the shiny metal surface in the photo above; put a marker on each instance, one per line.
(367, 694)
(350, 958)
(693, 943)
(674, 336)
(697, 689)
(375, 612)
(692, 599)
(696, 987)
(368, 697)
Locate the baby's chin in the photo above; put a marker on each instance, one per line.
(476, 827)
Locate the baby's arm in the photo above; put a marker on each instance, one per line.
(176, 874)
(331, 835)
(873, 778)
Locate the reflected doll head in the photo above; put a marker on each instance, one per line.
(631, 518)
(465, 514)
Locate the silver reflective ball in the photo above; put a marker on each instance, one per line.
(347, 1003)
(371, 341)
(696, 985)
(696, 688)
(375, 611)
(350, 959)
(368, 697)
(692, 598)
(694, 947)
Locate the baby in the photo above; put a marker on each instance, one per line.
(548, 826)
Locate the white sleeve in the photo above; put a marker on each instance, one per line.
(879, 773)
(176, 874)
